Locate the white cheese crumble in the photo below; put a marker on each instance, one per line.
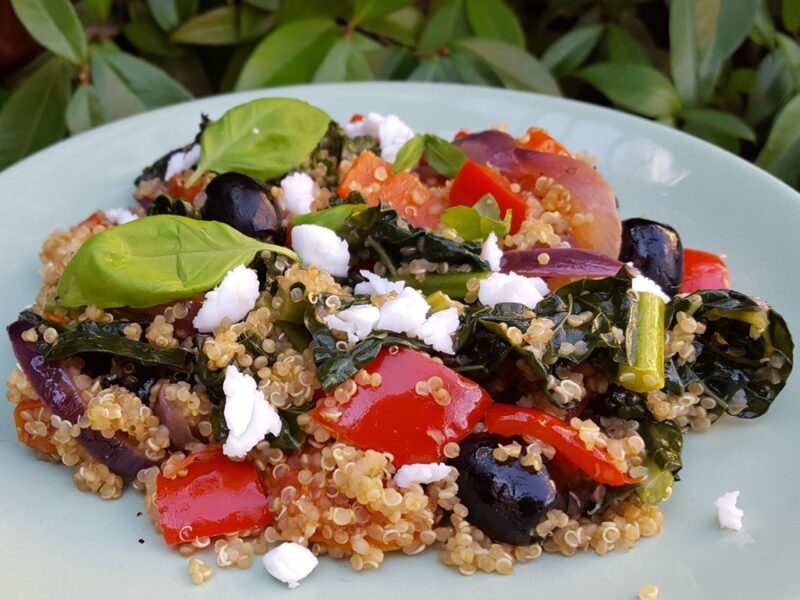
(510, 287)
(404, 313)
(120, 216)
(420, 473)
(298, 193)
(641, 283)
(248, 414)
(389, 130)
(180, 161)
(728, 515)
(233, 298)
(375, 284)
(321, 247)
(438, 329)
(491, 252)
(289, 563)
(357, 321)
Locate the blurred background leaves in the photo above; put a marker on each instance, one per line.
(727, 71)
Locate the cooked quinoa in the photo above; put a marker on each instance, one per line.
(551, 392)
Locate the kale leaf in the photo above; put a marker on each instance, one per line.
(158, 169)
(172, 205)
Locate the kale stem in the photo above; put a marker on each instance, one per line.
(371, 242)
(646, 336)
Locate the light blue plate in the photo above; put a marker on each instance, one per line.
(56, 542)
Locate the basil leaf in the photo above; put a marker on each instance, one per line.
(55, 25)
(84, 110)
(472, 225)
(263, 138)
(443, 156)
(332, 218)
(409, 154)
(154, 260)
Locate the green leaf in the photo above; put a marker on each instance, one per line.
(269, 5)
(444, 157)
(346, 60)
(169, 14)
(392, 62)
(638, 88)
(473, 70)
(623, 47)
(494, 20)
(290, 54)
(435, 68)
(55, 25)
(790, 14)
(409, 154)
(781, 153)
(84, 110)
(333, 217)
(515, 67)
(720, 122)
(447, 23)
(657, 485)
(101, 8)
(149, 38)
(402, 26)
(217, 27)
(763, 31)
(571, 50)
(473, 224)
(263, 138)
(683, 49)
(33, 117)
(366, 10)
(772, 88)
(127, 84)
(790, 52)
(299, 10)
(154, 260)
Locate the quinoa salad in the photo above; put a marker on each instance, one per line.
(318, 339)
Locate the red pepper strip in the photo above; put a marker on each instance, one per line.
(474, 181)
(538, 139)
(703, 271)
(218, 496)
(508, 420)
(393, 417)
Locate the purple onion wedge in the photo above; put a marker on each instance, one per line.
(562, 262)
(172, 417)
(58, 392)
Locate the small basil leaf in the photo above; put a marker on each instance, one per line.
(263, 138)
(472, 225)
(332, 218)
(409, 154)
(443, 156)
(486, 206)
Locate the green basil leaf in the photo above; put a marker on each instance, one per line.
(447, 23)
(367, 10)
(623, 47)
(169, 14)
(332, 218)
(639, 88)
(683, 53)
(571, 50)
(148, 37)
(55, 25)
(101, 8)
(474, 226)
(443, 156)
(790, 14)
(494, 20)
(33, 116)
(263, 138)
(290, 54)
(515, 67)
(781, 154)
(84, 110)
(403, 26)
(154, 260)
(486, 206)
(346, 60)
(409, 154)
(720, 122)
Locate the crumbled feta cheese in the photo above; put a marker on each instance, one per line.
(321, 247)
(180, 161)
(375, 284)
(641, 283)
(298, 193)
(389, 130)
(289, 563)
(120, 216)
(510, 287)
(233, 298)
(404, 313)
(420, 473)
(357, 321)
(248, 415)
(491, 252)
(728, 515)
(438, 329)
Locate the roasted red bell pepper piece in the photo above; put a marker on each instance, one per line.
(538, 139)
(217, 496)
(509, 420)
(395, 418)
(703, 271)
(474, 181)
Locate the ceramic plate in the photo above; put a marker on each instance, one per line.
(59, 542)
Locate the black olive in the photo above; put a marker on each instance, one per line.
(244, 204)
(506, 500)
(656, 250)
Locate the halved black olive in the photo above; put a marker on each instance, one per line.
(243, 203)
(656, 250)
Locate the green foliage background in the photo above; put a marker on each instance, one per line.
(725, 70)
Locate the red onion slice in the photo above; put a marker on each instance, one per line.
(561, 262)
(171, 416)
